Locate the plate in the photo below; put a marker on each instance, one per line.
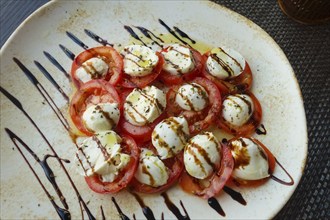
(275, 85)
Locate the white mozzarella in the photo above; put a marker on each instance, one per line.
(139, 60)
(202, 155)
(92, 69)
(225, 63)
(151, 170)
(170, 136)
(101, 154)
(101, 117)
(251, 162)
(237, 109)
(178, 60)
(143, 106)
(192, 97)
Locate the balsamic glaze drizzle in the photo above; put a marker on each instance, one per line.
(263, 131)
(183, 34)
(235, 195)
(147, 33)
(51, 79)
(286, 172)
(67, 52)
(145, 209)
(133, 34)
(174, 209)
(213, 202)
(63, 213)
(121, 214)
(76, 40)
(97, 38)
(56, 64)
(19, 106)
(172, 32)
(44, 93)
(102, 213)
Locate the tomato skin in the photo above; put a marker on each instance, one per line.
(175, 165)
(249, 127)
(271, 164)
(92, 92)
(111, 57)
(200, 120)
(170, 79)
(240, 83)
(140, 82)
(125, 176)
(217, 181)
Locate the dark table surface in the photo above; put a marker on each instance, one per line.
(308, 50)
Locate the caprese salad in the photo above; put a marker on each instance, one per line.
(143, 119)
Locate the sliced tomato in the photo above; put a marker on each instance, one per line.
(109, 55)
(271, 164)
(250, 126)
(200, 120)
(170, 79)
(140, 134)
(140, 82)
(212, 185)
(175, 168)
(92, 92)
(240, 83)
(125, 176)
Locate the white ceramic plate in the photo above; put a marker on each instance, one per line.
(274, 84)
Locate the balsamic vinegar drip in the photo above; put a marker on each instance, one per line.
(172, 32)
(97, 38)
(51, 79)
(145, 209)
(121, 214)
(213, 202)
(76, 40)
(102, 213)
(261, 132)
(19, 106)
(133, 34)
(63, 213)
(282, 181)
(174, 209)
(183, 34)
(56, 63)
(235, 195)
(147, 33)
(67, 52)
(43, 92)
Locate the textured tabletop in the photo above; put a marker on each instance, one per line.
(308, 50)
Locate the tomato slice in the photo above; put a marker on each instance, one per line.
(271, 164)
(109, 55)
(240, 83)
(175, 168)
(170, 79)
(125, 176)
(92, 92)
(136, 81)
(215, 182)
(200, 120)
(250, 126)
(141, 134)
